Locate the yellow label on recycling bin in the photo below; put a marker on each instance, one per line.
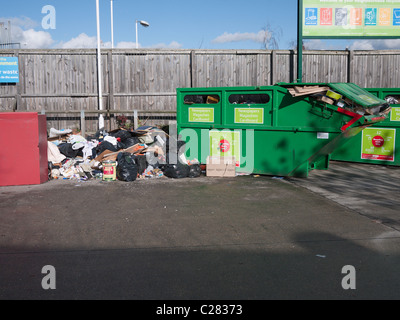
(201, 114)
(395, 114)
(249, 115)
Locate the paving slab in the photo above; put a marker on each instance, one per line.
(246, 238)
(371, 190)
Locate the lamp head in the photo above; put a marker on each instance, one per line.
(144, 23)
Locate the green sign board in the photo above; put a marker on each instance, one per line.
(225, 143)
(351, 18)
(249, 115)
(378, 144)
(395, 114)
(201, 115)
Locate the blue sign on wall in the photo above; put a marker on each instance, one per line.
(9, 70)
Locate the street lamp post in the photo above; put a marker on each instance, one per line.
(144, 24)
(112, 25)
(99, 73)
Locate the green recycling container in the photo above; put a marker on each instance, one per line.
(284, 130)
(377, 143)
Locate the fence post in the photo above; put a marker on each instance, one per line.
(18, 96)
(83, 123)
(350, 67)
(193, 69)
(273, 67)
(110, 67)
(135, 119)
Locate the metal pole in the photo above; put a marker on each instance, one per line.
(300, 41)
(112, 25)
(99, 73)
(137, 43)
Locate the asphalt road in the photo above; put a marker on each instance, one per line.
(242, 238)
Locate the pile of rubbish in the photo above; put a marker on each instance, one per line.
(144, 153)
(327, 94)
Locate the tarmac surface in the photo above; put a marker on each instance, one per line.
(242, 238)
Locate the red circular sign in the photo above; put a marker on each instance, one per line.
(224, 145)
(378, 141)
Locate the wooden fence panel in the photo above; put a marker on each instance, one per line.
(325, 66)
(146, 80)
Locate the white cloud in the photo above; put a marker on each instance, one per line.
(239, 36)
(362, 45)
(379, 44)
(132, 45)
(33, 39)
(172, 45)
(83, 41)
(126, 45)
(22, 31)
(317, 44)
(22, 22)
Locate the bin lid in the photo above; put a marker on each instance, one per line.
(357, 94)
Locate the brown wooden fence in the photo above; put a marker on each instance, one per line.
(62, 83)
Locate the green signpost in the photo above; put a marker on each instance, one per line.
(346, 19)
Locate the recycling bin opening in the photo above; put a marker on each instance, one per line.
(287, 129)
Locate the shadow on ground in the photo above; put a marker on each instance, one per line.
(242, 238)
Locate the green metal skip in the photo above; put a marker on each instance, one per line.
(284, 130)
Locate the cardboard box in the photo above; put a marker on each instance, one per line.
(221, 166)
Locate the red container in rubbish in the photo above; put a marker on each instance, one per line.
(23, 148)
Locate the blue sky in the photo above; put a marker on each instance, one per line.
(174, 24)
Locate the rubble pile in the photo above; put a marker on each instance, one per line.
(327, 95)
(120, 154)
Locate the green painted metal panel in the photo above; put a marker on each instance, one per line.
(267, 129)
(385, 135)
(356, 94)
(252, 109)
(197, 109)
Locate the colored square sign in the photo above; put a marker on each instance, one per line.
(370, 16)
(225, 143)
(326, 17)
(341, 16)
(356, 16)
(384, 17)
(378, 144)
(311, 18)
(396, 17)
(350, 19)
(9, 70)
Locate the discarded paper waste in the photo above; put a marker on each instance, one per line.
(117, 155)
